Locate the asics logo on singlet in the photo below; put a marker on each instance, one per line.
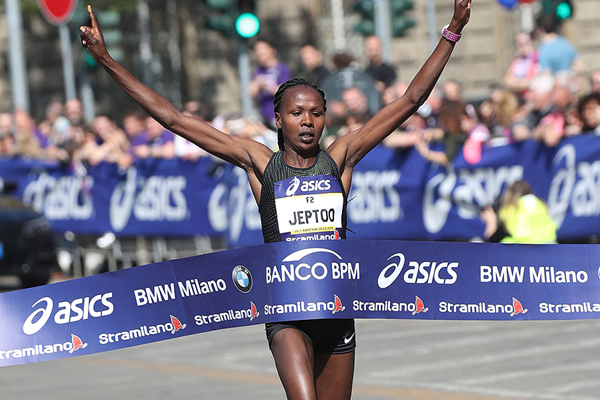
(307, 186)
(291, 190)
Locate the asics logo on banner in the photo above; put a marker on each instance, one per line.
(294, 185)
(61, 198)
(424, 272)
(76, 310)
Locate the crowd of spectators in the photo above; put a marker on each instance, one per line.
(64, 136)
(546, 95)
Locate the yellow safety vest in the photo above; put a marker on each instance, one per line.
(528, 222)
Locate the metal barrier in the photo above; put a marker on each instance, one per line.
(84, 256)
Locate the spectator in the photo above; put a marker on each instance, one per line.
(59, 123)
(6, 145)
(522, 218)
(74, 112)
(251, 128)
(342, 60)
(267, 77)
(555, 52)
(76, 139)
(589, 112)
(477, 134)
(135, 128)
(356, 101)
(394, 92)
(524, 66)
(184, 149)
(539, 104)
(430, 111)
(353, 122)
(452, 90)
(573, 124)
(26, 143)
(595, 81)
(44, 133)
(505, 113)
(7, 124)
(111, 144)
(160, 141)
(335, 117)
(7, 129)
(409, 133)
(312, 59)
(197, 110)
(384, 74)
(551, 128)
(346, 75)
(451, 114)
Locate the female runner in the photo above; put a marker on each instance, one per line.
(314, 359)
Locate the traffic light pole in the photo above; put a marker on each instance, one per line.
(143, 13)
(337, 22)
(244, 71)
(67, 57)
(382, 28)
(432, 29)
(18, 69)
(526, 17)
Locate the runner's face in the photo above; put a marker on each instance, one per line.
(301, 117)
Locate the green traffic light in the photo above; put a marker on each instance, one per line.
(366, 10)
(563, 11)
(247, 25)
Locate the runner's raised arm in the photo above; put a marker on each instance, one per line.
(245, 153)
(348, 150)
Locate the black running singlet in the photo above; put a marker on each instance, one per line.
(302, 203)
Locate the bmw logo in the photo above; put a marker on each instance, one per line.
(242, 278)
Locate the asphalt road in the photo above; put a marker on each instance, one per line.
(413, 360)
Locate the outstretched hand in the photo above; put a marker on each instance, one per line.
(92, 39)
(462, 13)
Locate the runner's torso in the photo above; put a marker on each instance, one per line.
(302, 203)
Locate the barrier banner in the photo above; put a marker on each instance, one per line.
(395, 194)
(299, 280)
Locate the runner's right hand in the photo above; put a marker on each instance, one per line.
(92, 39)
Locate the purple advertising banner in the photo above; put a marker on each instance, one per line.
(295, 281)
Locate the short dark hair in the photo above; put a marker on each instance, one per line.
(138, 114)
(267, 41)
(547, 23)
(279, 97)
(581, 105)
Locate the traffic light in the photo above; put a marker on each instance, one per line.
(366, 10)
(398, 21)
(232, 16)
(247, 23)
(221, 16)
(564, 10)
(401, 23)
(559, 9)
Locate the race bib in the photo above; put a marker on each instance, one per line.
(309, 208)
